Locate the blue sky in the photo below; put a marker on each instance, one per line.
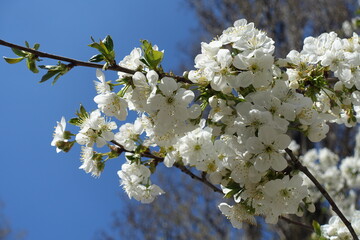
(45, 193)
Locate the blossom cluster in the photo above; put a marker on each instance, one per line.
(340, 177)
(229, 118)
(336, 229)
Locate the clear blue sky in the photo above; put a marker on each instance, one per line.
(44, 192)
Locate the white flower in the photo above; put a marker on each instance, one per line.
(350, 170)
(131, 61)
(112, 105)
(95, 129)
(255, 42)
(149, 193)
(317, 131)
(255, 70)
(196, 148)
(101, 86)
(315, 48)
(283, 196)
(219, 109)
(88, 164)
(250, 120)
(336, 229)
(129, 133)
(59, 134)
(134, 178)
(232, 34)
(267, 149)
(237, 214)
(143, 89)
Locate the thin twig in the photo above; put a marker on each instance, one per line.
(177, 165)
(201, 179)
(307, 227)
(74, 62)
(297, 164)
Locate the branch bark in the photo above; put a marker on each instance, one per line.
(74, 62)
(297, 164)
(177, 165)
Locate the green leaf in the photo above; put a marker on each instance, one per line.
(153, 57)
(152, 167)
(48, 75)
(67, 146)
(59, 70)
(105, 47)
(233, 185)
(108, 43)
(316, 227)
(19, 52)
(30, 63)
(144, 61)
(97, 58)
(82, 114)
(114, 154)
(82, 110)
(27, 44)
(95, 45)
(99, 46)
(36, 46)
(13, 60)
(75, 121)
(231, 193)
(56, 78)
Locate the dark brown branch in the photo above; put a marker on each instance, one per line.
(177, 165)
(202, 179)
(74, 62)
(307, 227)
(297, 165)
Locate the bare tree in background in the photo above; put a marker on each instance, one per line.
(188, 210)
(6, 232)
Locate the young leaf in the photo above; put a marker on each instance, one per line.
(36, 46)
(48, 75)
(107, 54)
(75, 121)
(108, 43)
(316, 227)
(56, 78)
(58, 70)
(153, 57)
(83, 111)
(97, 58)
(13, 60)
(97, 46)
(19, 52)
(30, 63)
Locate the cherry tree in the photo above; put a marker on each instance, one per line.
(226, 123)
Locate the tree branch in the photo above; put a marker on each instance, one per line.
(307, 227)
(177, 165)
(202, 179)
(74, 62)
(297, 164)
